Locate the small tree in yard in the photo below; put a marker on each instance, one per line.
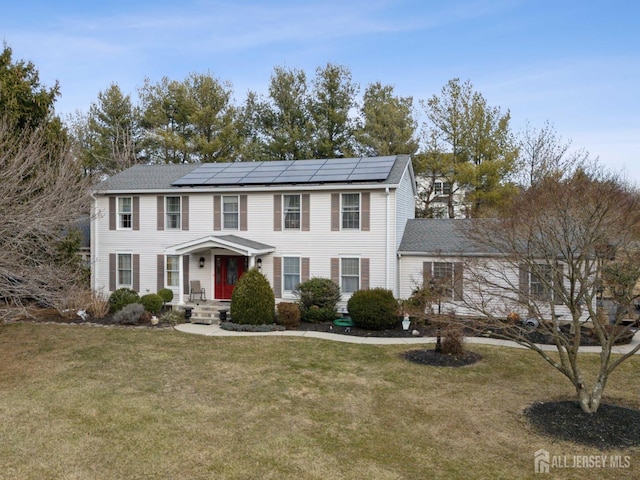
(553, 250)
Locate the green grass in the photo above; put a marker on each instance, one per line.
(105, 403)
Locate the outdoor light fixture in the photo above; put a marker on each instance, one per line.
(201, 262)
(259, 262)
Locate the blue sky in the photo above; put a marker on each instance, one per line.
(573, 63)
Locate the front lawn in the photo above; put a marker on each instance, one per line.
(80, 402)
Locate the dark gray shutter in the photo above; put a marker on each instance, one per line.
(185, 212)
(277, 277)
(160, 273)
(185, 274)
(365, 202)
(523, 285)
(160, 217)
(306, 212)
(112, 213)
(277, 213)
(304, 273)
(217, 212)
(557, 285)
(427, 273)
(243, 213)
(364, 274)
(136, 272)
(136, 213)
(335, 270)
(335, 212)
(458, 274)
(112, 272)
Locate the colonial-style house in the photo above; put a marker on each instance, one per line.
(164, 226)
(350, 220)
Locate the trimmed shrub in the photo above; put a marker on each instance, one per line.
(121, 298)
(130, 314)
(253, 301)
(289, 315)
(453, 341)
(374, 309)
(172, 317)
(166, 294)
(318, 299)
(152, 302)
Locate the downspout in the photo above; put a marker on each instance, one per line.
(387, 240)
(93, 241)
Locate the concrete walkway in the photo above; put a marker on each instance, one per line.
(216, 331)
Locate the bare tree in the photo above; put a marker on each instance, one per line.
(560, 243)
(543, 153)
(43, 196)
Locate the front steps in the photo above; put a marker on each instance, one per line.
(207, 312)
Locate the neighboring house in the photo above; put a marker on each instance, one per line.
(157, 226)
(433, 194)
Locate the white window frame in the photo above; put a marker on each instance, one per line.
(121, 270)
(439, 189)
(349, 275)
(442, 270)
(285, 274)
(169, 216)
(544, 292)
(124, 215)
(293, 212)
(229, 215)
(172, 274)
(347, 211)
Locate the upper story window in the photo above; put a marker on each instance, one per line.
(349, 275)
(173, 213)
(350, 210)
(291, 212)
(125, 213)
(230, 212)
(125, 270)
(442, 188)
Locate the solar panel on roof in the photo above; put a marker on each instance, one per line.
(290, 171)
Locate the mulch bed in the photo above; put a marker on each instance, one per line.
(437, 359)
(610, 427)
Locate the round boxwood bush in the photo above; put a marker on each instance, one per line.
(318, 299)
(121, 298)
(166, 294)
(374, 309)
(253, 301)
(152, 302)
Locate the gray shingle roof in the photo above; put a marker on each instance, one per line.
(441, 237)
(161, 177)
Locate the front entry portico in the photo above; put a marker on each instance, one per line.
(223, 260)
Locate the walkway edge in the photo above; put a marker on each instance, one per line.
(216, 331)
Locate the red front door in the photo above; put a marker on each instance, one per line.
(228, 270)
